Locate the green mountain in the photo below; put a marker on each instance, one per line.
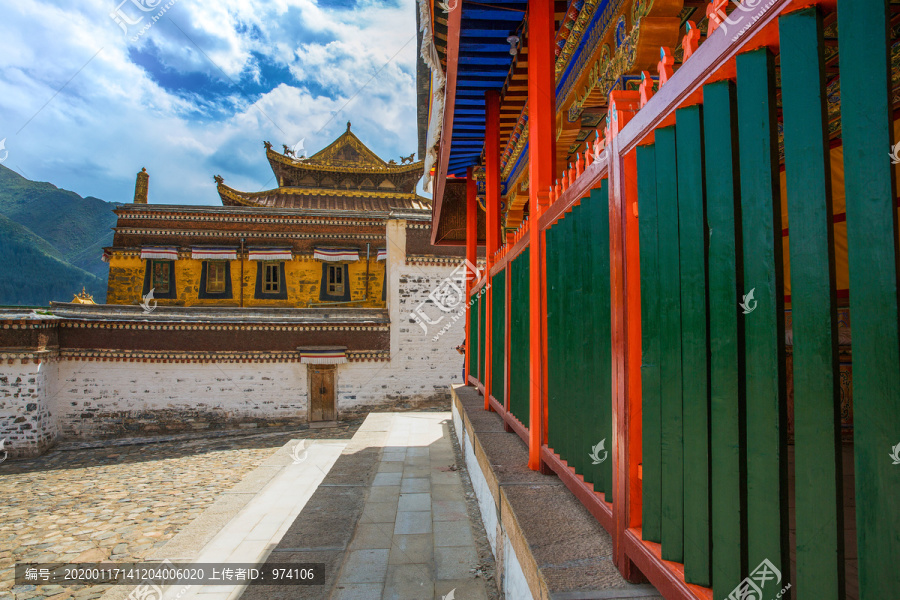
(51, 242)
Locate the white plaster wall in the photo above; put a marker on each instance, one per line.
(27, 420)
(142, 397)
(428, 351)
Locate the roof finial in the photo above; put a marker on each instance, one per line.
(141, 186)
(348, 125)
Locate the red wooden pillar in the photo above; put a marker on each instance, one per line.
(626, 332)
(471, 257)
(492, 204)
(541, 159)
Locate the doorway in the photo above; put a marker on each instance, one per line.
(322, 406)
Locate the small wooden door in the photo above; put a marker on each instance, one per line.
(321, 393)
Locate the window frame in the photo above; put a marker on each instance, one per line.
(262, 266)
(216, 279)
(335, 288)
(149, 280)
(324, 295)
(271, 277)
(157, 267)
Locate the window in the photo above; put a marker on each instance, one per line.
(160, 275)
(272, 281)
(215, 276)
(335, 280)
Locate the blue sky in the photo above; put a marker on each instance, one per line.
(86, 101)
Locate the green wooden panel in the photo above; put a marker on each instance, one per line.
(729, 523)
(600, 260)
(817, 449)
(648, 225)
(553, 349)
(498, 338)
(872, 240)
(589, 341)
(578, 307)
(767, 497)
(671, 443)
(567, 395)
(694, 344)
(520, 367)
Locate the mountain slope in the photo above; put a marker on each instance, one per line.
(32, 272)
(77, 227)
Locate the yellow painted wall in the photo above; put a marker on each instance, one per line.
(302, 276)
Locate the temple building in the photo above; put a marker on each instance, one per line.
(312, 302)
(323, 240)
(689, 311)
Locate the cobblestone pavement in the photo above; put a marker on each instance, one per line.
(120, 502)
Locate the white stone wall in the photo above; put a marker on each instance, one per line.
(145, 398)
(27, 421)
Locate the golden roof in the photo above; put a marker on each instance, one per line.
(83, 298)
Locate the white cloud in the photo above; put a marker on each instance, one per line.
(108, 116)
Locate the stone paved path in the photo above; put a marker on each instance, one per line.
(119, 503)
(414, 540)
(416, 533)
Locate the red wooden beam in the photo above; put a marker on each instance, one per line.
(666, 576)
(454, 22)
(471, 255)
(492, 237)
(622, 181)
(541, 159)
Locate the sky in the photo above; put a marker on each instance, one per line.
(91, 91)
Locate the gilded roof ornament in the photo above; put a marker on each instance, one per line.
(83, 298)
(218, 179)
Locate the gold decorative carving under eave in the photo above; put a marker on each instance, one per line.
(240, 196)
(653, 25)
(516, 153)
(342, 167)
(574, 39)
